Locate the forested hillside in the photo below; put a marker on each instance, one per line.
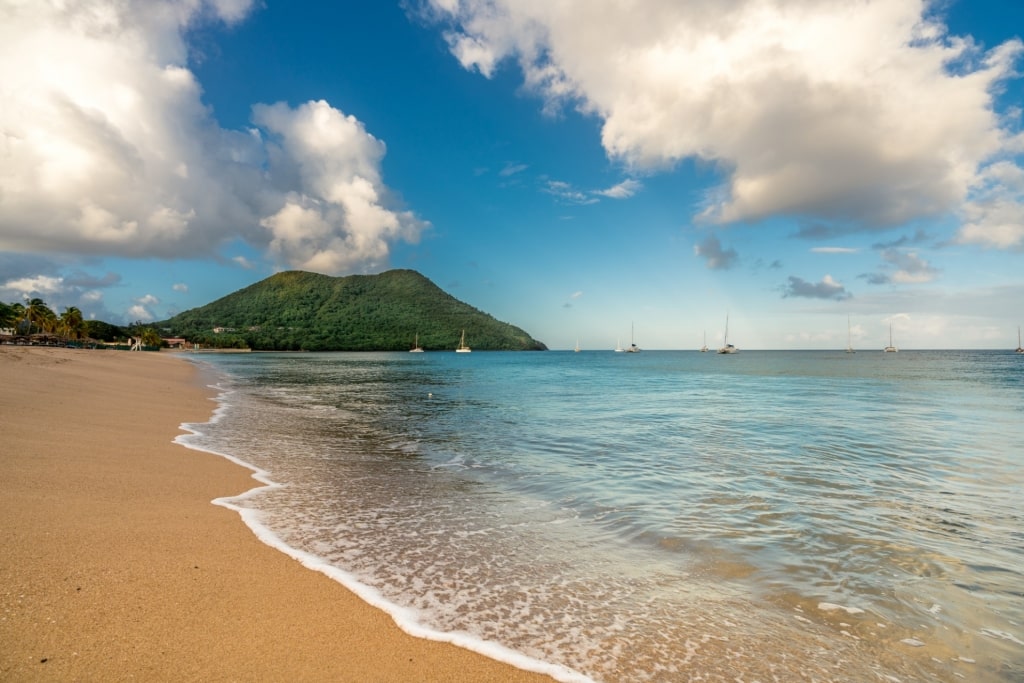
(296, 310)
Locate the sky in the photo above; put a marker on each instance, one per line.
(591, 171)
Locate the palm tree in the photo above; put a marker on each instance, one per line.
(17, 316)
(8, 315)
(31, 312)
(150, 337)
(47, 319)
(72, 324)
(36, 312)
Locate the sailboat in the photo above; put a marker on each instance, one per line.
(416, 348)
(618, 346)
(727, 348)
(704, 349)
(1020, 349)
(890, 348)
(849, 344)
(633, 348)
(577, 349)
(462, 348)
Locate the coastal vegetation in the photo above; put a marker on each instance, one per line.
(293, 311)
(297, 310)
(35, 320)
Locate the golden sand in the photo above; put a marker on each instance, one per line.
(115, 566)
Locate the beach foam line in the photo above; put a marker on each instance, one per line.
(404, 618)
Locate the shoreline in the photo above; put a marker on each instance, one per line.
(115, 564)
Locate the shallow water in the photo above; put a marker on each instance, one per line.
(659, 516)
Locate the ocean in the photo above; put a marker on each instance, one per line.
(658, 516)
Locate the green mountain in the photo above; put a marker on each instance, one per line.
(295, 311)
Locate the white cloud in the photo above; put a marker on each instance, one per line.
(179, 287)
(624, 190)
(107, 148)
(40, 284)
(335, 219)
(567, 193)
(995, 217)
(512, 169)
(860, 113)
(140, 313)
(147, 300)
(834, 250)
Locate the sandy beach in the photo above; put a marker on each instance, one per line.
(114, 564)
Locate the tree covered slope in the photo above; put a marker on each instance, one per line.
(296, 310)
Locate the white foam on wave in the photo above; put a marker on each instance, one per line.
(1002, 635)
(405, 618)
(831, 607)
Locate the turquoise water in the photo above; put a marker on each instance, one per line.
(659, 516)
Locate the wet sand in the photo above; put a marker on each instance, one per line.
(114, 564)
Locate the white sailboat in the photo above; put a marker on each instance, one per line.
(1020, 349)
(633, 348)
(416, 348)
(890, 348)
(849, 344)
(462, 348)
(704, 349)
(577, 349)
(727, 347)
(618, 346)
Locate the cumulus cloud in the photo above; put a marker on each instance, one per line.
(717, 257)
(335, 220)
(139, 313)
(995, 217)
(854, 114)
(179, 287)
(107, 148)
(908, 267)
(33, 286)
(902, 267)
(828, 288)
(31, 276)
(141, 309)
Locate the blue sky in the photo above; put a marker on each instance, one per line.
(579, 169)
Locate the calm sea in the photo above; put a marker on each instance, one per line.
(660, 516)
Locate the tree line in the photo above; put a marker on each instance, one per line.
(35, 317)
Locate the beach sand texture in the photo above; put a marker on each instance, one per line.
(115, 566)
